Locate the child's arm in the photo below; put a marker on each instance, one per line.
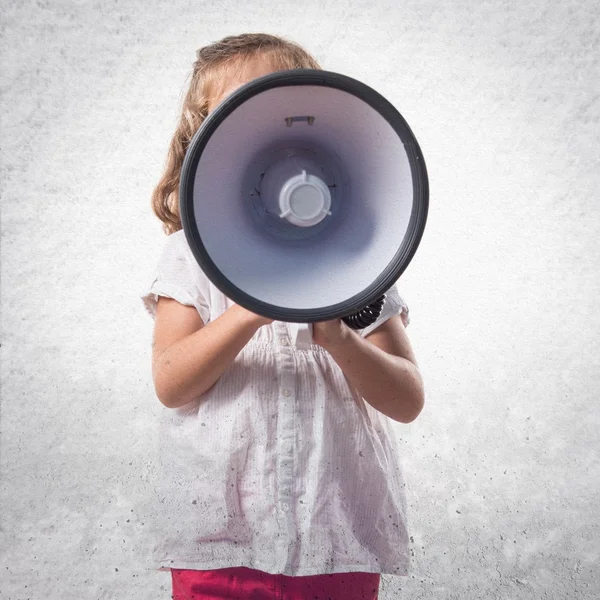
(188, 357)
(381, 366)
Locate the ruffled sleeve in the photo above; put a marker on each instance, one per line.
(394, 305)
(179, 277)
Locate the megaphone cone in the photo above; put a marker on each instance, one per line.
(304, 197)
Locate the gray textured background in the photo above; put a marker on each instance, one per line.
(503, 462)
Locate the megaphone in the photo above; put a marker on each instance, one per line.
(304, 196)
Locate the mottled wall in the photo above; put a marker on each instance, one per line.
(502, 464)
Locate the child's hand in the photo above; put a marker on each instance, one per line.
(329, 333)
(257, 320)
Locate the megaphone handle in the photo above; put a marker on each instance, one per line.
(366, 316)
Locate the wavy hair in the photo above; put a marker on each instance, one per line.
(214, 65)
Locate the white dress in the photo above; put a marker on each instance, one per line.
(280, 466)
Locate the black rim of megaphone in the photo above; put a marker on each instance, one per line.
(416, 225)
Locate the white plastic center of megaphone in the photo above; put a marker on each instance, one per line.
(304, 200)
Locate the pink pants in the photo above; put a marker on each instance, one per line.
(250, 584)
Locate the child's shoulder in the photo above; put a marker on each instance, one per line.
(177, 239)
(177, 255)
(176, 245)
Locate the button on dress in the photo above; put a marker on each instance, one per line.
(281, 466)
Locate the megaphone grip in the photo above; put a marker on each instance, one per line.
(366, 316)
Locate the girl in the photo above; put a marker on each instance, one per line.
(281, 478)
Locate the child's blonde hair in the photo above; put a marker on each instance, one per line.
(214, 65)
